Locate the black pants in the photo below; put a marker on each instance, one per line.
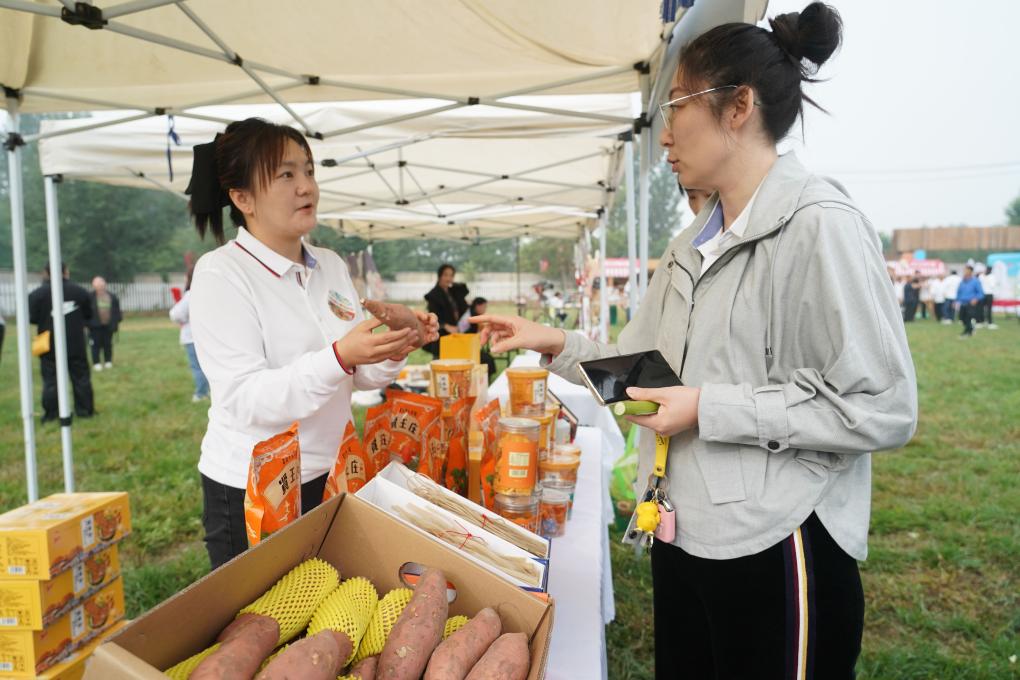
(101, 339)
(81, 385)
(968, 313)
(909, 310)
(986, 312)
(742, 618)
(223, 516)
(938, 308)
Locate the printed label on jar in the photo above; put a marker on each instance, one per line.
(443, 385)
(538, 396)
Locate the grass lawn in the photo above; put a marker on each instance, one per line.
(942, 581)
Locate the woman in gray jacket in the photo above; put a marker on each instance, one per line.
(775, 310)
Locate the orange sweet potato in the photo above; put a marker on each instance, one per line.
(365, 669)
(397, 317)
(317, 657)
(458, 654)
(417, 632)
(507, 659)
(242, 652)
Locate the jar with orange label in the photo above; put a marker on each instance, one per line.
(527, 391)
(521, 510)
(544, 442)
(517, 461)
(451, 378)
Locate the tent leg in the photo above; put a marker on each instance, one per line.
(603, 290)
(632, 262)
(643, 199)
(16, 188)
(59, 330)
(517, 260)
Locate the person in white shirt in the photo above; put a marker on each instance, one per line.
(949, 287)
(988, 284)
(938, 296)
(180, 314)
(277, 323)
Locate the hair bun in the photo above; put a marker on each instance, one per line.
(813, 34)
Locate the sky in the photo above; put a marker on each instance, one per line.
(924, 110)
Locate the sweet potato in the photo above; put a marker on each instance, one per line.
(236, 626)
(508, 658)
(417, 632)
(317, 657)
(458, 654)
(397, 317)
(364, 669)
(241, 654)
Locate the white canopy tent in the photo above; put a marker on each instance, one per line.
(172, 56)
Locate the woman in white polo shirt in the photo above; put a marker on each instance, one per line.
(277, 323)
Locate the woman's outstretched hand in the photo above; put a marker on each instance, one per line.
(513, 332)
(678, 408)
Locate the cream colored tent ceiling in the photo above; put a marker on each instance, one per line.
(455, 49)
(476, 173)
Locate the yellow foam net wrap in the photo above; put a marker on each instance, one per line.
(453, 624)
(349, 610)
(386, 614)
(182, 671)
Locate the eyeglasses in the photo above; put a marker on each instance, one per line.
(666, 110)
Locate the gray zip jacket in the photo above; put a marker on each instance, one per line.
(796, 340)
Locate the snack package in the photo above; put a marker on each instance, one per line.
(433, 449)
(455, 435)
(351, 470)
(486, 419)
(273, 497)
(377, 438)
(411, 415)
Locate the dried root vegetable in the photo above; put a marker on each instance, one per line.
(397, 317)
(417, 632)
(458, 654)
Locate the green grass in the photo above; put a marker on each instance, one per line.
(942, 581)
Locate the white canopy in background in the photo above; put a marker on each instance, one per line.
(479, 172)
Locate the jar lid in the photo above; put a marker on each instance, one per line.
(451, 363)
(559, 462)
(520, 424)
(527, 372)
(556, 494)
(567, 450)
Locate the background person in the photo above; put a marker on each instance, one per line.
(969, 297)
(988, 285)
(180, 314)
(772, 432)
(443, 304)
(950, 285)
(277, 324)
(105, 321)
(77, 313)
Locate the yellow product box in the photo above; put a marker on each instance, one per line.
(26, 653)
(33, 605)
(460, 346)
(73, 667)
(44, 538)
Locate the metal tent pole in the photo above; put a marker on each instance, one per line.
(59, 328)
(632, 263)
(603, 290)
(16, 189)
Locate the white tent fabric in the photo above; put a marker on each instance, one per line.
(455, 48)
(479, 173)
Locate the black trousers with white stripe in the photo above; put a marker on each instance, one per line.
(792, 612)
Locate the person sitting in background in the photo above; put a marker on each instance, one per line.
(480, 306)
(104, 323)
(969, 297)
(180, 314)
(556, 304)
(442, 303)
(77, 313)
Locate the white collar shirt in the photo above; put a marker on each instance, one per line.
(712, 241)
(264, 328)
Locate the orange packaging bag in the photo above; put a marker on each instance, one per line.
(377, 438)
(350, 470)
(410, 415)
(486, 419)
(273, 497)
(433, 450)
(455, 436)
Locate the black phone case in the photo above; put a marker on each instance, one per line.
(611, 377)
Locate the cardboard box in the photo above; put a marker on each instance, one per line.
(346, 531)
(24, 653)
(73, 667)
(460, 346)
(33, 605)
(44, 538)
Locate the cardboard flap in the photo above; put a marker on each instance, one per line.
(112, 661)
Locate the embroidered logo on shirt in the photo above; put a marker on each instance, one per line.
(341, 306)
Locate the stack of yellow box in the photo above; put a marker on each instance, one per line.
(60, 586)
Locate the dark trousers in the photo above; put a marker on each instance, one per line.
(938, 307)
(223, 516)
(797, 607)
(81, 385)
(949, 312)
(101, 339)
(968, 313)
(909, 310)
(986, 308)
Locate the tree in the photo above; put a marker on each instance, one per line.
(1013, 212)
(667, 213)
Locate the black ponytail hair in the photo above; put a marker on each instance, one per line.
(244, 157)
(774, 63)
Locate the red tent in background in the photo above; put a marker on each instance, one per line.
(926, 268)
